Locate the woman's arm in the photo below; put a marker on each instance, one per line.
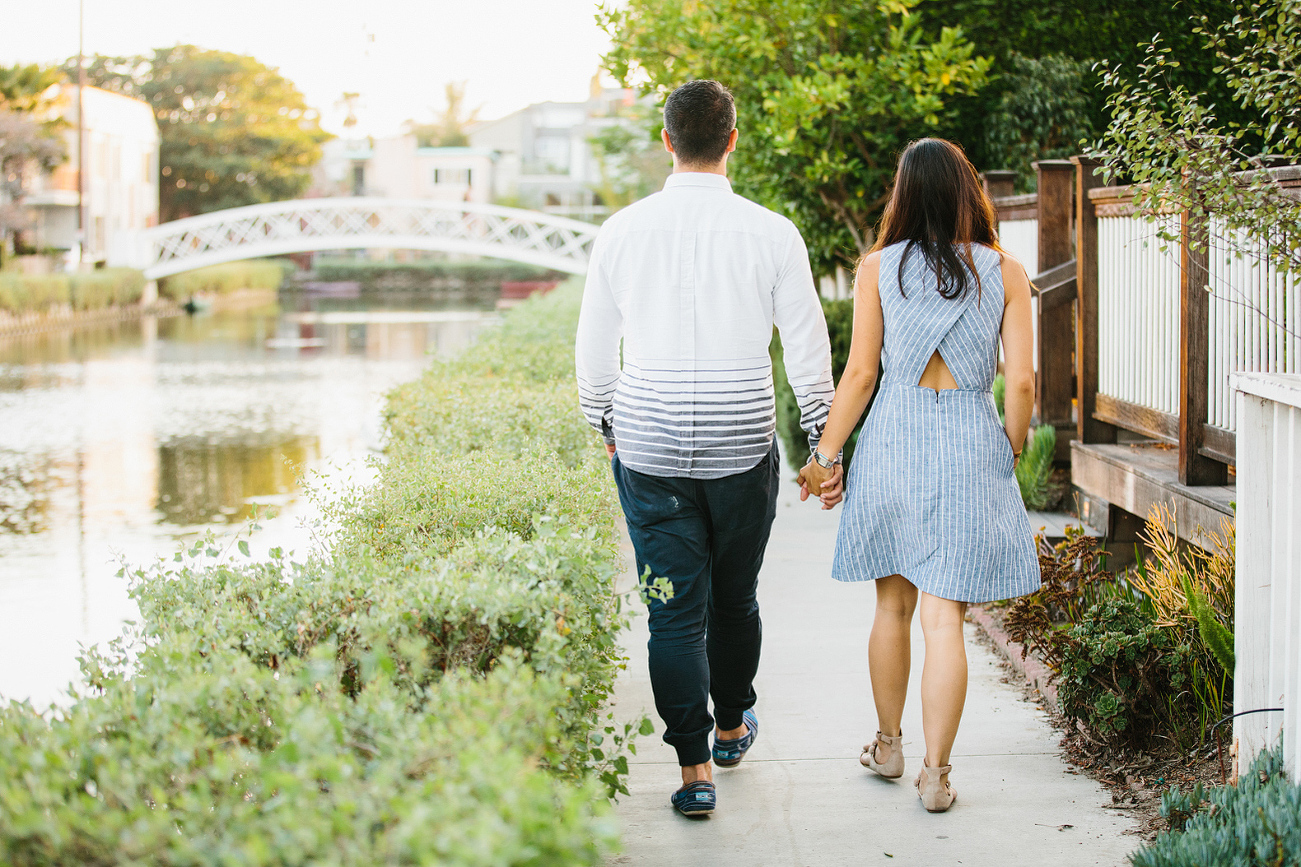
(859, 379)
(1018, 353)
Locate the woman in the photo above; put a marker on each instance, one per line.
(933, 513)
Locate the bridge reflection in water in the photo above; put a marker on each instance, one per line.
(132, 439)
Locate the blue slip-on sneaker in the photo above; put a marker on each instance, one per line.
(728, 753)
(695, 799)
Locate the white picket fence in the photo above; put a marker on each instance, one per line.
(1255, 319)
(1138, 313)
(1267, 625)
(1021, 239)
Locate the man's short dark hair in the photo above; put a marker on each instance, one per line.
(699, 117)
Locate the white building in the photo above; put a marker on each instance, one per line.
(398, 168)
(539, 157)
(544, 158)
(121, 189)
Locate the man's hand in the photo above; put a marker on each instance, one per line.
(609, 450)
(829, 484)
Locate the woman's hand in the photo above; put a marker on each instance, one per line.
(827, 484)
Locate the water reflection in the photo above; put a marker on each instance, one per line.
(206, 482)
(128, 439)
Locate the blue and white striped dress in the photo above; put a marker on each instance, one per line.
(930, 494)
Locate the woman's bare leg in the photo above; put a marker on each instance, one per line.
(889, 653)
(944, 676)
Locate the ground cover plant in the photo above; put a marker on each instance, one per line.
(1255, 822)
(428, 688)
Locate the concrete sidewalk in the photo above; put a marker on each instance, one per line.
(800, 798)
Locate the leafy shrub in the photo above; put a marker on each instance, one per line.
(91, 290)
(107, 287)
(1255, 822)
(1118, 669)
(438, 501)
(226, 278)
(20, 293)
(1121, 674)
(429, 689)
(453, 414)
(1035, 469)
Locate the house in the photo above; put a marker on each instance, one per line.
(544, 157)
(120, 195)
(398, 168)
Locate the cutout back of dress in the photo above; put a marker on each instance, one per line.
(936, 342)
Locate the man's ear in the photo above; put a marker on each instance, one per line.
(731, 142)
(668, 144)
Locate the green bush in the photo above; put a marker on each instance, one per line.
(421, 272)
(1255, 822)
(90, 290)
(21, 294)
(107, 287)
(225, 278)
(429, 689)
(1123, 674)
(795, 442)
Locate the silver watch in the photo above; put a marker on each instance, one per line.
(822, 460)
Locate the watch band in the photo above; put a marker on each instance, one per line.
(822, 460)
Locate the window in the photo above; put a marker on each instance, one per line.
(460, 177)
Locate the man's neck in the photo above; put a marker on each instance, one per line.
(716, 169)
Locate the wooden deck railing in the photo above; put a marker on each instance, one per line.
(1162, 327)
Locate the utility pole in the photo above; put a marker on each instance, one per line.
(81, 132)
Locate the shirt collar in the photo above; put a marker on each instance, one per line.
(698, 179)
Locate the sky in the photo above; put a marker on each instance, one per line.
(398, 54)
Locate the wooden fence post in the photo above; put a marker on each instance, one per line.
(998, 183)
(1194, 354)
(1056, 386)
(1088, 428)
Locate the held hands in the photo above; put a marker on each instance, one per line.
(829, 483)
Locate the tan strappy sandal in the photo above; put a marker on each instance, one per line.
(891, 768)
(937, 796)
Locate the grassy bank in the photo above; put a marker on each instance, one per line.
(427, 690)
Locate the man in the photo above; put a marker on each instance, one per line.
(693, 279)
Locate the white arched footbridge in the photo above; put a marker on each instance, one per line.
(307, 225)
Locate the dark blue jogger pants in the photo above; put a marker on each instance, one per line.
(707, 536)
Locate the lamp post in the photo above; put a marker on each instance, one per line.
(81, 133)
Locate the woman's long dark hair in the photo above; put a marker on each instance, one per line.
(939, 206)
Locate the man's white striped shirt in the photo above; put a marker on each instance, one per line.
(693, 279)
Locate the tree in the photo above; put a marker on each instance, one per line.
(25, 147)
(630, 157)
(1043, 113)
(827, 93)
(234, 131)
(449, 127)
(1177, 148)
(28, 88)
(1043, 61)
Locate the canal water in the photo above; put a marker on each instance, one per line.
(126, 441)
